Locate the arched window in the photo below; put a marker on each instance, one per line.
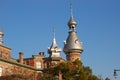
(0, 71)
(38, 65)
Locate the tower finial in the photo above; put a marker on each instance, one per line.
(54, 49)
(53, 32)
(71, 23)
(71, 9)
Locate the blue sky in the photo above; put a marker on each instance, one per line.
(27, 25)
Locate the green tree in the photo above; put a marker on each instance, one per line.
(107, 78)
(71, 71)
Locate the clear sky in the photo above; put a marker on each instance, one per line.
(27, 25)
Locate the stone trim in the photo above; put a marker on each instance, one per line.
(5, 47)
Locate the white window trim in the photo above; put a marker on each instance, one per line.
(38, 65)
(0, 71)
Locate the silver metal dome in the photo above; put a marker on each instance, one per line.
(54, 47)
(72, 44)
(72, 22)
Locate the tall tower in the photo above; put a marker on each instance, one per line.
(72, 46)
(54, 50)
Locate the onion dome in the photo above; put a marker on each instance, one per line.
(73, 44)
(54, 47)
(72, 23)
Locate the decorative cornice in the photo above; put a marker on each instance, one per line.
(5, 47)
(21, 65)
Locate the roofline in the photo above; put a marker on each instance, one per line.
(54, 58)
(21, 65)
(6, 47)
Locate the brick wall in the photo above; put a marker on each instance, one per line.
(5, 52)
(9, 69)
(73, 56)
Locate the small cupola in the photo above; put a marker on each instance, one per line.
(72, 23)
(1, 37)
(54, 49)
(72, 46)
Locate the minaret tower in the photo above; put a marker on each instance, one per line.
(54, 50)
(1, 37)
(72, 46)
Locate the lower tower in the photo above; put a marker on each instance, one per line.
(72, 46)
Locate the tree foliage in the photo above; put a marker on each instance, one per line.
(107, 78)
(71, 71)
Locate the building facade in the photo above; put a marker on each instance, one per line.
(35, 65)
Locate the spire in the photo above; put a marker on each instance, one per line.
(53, 32)
(54, 44)
(71, 23)
(71, 10)
(54, 48)
(72, 47)
(1, 37)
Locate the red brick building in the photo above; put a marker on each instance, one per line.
(33, 67)
(10, 66)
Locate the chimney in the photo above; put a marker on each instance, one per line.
(21, 57)
(41, 53)
(60, 76)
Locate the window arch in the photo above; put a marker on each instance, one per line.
(38, 65)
